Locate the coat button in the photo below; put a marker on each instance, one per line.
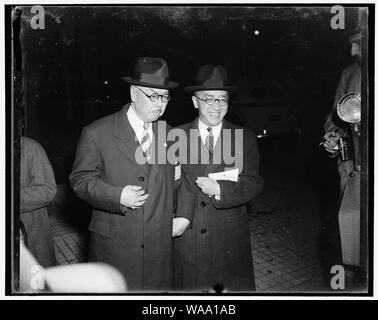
(141, 179)
(203, 203)
(203, 231)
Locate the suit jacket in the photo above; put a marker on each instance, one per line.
(37, 190)
(216, 249)
(137, 242)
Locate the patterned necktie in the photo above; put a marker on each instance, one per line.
(210, 140)
(146, 141)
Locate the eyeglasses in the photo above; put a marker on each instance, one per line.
(210, 100)
(155, 96)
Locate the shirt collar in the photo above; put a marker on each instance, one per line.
(137, 123)
(202, 127)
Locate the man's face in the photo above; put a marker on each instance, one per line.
(210, 114)
(356, 49)
(147, 110)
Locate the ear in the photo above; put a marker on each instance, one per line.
(132, 93)
(195, 102)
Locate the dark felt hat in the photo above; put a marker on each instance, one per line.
(211, 77)
(150, 72)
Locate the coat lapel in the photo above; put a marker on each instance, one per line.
(159, 145)
(126, 140)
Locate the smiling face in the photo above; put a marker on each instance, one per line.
(213, 114)
(147, 110)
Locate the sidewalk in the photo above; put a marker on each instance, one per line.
(285, 236)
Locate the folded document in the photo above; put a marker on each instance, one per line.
(230, 175)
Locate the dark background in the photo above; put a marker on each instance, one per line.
(69, 74)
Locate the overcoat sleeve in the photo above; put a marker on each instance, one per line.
(41, 189)
(186, 197)
(249, 184)
(86, 176)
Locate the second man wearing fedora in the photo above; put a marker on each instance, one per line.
(132, 199)
(215, 252)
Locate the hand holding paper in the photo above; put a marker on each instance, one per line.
(208, 186)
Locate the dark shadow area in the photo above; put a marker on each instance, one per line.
(300, 160)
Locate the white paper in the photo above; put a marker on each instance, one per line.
(230, 175)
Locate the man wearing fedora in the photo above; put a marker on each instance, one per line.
(131, 195)
(214, 253)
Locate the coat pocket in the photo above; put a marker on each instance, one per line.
(102, 228)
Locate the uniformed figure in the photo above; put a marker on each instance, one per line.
(37, 190)
(132, 199)
(214, 253)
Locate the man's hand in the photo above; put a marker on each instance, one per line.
(331, 142)
(179, 226)
(208, 186)
(133, 196)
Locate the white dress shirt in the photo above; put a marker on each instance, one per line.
(137, 124)
(202, 128)
(216, 130)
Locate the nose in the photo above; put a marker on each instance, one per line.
(216, 105)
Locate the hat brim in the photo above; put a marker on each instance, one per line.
(170, 85)
(191, 89)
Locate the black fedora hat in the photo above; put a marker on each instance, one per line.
(150, 72)
(211, 77)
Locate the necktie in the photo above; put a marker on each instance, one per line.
(210, 140)
(146, 141)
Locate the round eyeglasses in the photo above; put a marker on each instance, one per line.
(155, 96)
(210, 100)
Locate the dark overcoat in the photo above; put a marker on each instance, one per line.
(216, 248)
(137, 242)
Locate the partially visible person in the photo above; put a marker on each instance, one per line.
(74, 278)
(349, 182)
(334, 128)
(214, 253)
(37, 190)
